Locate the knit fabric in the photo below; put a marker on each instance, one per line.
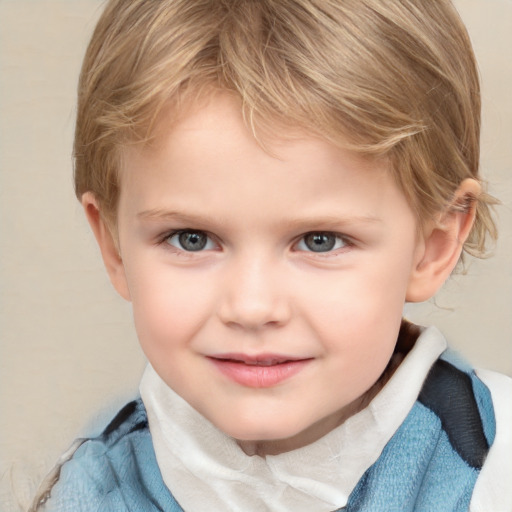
(431, 462)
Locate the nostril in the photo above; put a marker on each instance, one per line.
(243, 316)
(252, 295)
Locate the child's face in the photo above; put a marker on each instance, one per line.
(267, 290)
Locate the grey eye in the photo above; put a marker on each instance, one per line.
(191, 241)
(320, 242)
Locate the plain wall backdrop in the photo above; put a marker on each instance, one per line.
(68, 352)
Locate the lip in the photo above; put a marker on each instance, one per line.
(258, 371)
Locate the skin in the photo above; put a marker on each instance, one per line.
(257, 287)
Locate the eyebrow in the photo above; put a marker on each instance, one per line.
(331, 221)
(158, 214)
(326, 222)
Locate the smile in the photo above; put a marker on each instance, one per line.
(261, 371)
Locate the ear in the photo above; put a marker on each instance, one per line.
(442, 243)
(107, 243)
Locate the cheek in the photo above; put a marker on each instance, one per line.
(169, 307)
(357, 328)
(355, 302)
(357, 313)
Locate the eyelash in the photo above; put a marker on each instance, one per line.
(165, 240)
(340, 244)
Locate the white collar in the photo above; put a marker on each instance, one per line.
(206, 470)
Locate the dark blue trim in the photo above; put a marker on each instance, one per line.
(448, 393)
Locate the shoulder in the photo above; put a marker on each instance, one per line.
(475, 413)
(439, 455)
(462, 405)
(492, 489)
(114, 471)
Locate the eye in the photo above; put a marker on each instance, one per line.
(190, 241)
(321, 241)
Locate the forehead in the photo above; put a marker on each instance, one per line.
(216, 124)
(208, 161)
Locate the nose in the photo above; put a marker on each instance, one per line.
(253, 295)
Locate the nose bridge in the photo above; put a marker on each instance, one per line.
(253, 295)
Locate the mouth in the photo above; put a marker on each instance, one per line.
(259, 371)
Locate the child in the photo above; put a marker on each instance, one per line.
(269, 182)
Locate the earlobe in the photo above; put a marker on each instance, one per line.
(442, 243)
(107, 244)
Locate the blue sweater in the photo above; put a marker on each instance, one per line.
(430, 464)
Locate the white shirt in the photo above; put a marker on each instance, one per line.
(206, 470)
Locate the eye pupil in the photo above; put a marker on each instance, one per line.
(320, 242)
(192, 241)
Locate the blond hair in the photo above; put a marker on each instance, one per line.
(382, 77)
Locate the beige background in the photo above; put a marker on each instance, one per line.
(68, 353)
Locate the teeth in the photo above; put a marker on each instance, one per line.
(264, 363)
(269, 362)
